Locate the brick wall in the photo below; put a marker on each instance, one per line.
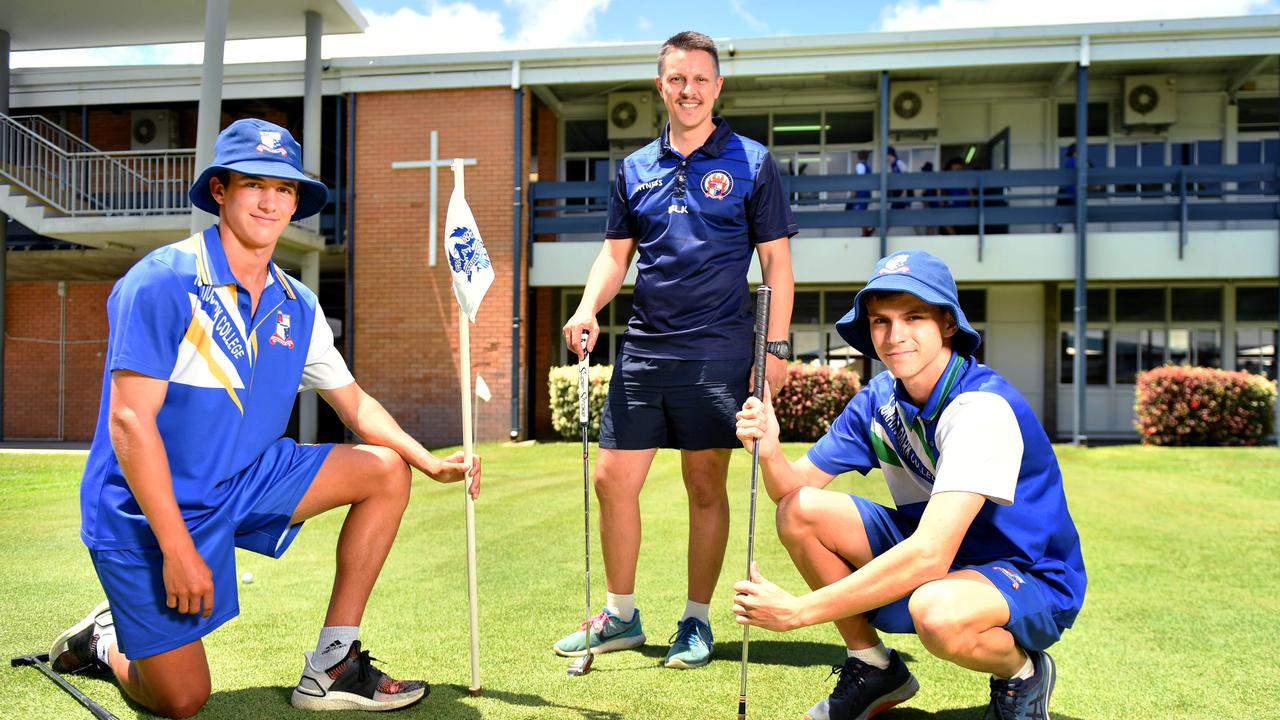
(406, 318)
(544, 323)
(32, 320)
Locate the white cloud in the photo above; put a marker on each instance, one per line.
(432, 27)
(908, 15)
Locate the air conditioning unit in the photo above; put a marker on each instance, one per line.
(631, 115)
(1150, 100)
(153, 129)
(913, 106)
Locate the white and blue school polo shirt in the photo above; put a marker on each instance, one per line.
(180, 315)
(975, 434)
(696, 220)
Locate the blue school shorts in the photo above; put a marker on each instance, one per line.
(1030, 611)
(682, 404)
(255, 517)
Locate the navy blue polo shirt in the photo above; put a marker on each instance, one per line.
(696, 220)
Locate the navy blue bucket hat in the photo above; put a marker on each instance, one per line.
(257, 147)
(921, 274)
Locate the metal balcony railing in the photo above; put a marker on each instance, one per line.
(973, 202)
(72, 178)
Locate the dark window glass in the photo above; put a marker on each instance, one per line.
(1126, 157)
(622, 308)
(1095, 357)
(1139, 304)
(1257, 303)
(804, 310)
(1095, 112)
(850, 127)
(1257, 115)
(835, 303)
(1207, 349)
(974, 305)
(1197, 304)
(587, 135)
(797, 129)
(1097, 304)
(1256, 351)
(1137, 351)
(755, 127)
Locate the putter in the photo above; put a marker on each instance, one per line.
(581, 665)
(763, 295)
(40, 662)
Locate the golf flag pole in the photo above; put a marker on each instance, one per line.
(764, 294)
(472, 275)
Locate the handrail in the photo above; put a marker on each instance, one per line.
(974, 200)
(54, 133)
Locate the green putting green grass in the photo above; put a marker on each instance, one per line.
(1181, 620)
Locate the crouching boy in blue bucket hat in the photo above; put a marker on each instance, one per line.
(979, 556)
(209, 343)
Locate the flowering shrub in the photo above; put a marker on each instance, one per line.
(813, 397)
(1178, 405)
(562, 383)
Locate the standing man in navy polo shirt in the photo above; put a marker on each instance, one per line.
(210, 343)
(695, 203)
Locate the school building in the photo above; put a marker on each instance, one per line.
(1171, 255)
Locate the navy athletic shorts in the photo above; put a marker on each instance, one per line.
(255, 517)
(682, 404)
(1030, 611)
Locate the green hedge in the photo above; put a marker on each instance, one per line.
(562, 383)
(806, 407)
(1178, 405)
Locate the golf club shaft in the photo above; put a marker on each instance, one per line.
(764, 295)
(98, 711)
(584, 419)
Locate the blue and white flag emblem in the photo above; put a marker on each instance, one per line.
(468, 260)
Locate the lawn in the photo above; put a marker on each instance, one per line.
(1181, 620)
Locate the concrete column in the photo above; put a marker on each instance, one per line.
(4, 219)
(210, 114)
(311, 96)
(307, 401)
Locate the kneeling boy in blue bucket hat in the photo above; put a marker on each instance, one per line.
(209, 344)
(979, 556)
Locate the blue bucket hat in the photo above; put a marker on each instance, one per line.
(921, 274)
(257, 147)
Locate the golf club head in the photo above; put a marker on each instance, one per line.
(581, 665)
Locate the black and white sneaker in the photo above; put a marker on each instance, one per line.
(1024, 699)
(863, 691)
(354, 684)
(76, 649)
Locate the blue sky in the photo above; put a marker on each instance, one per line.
(406, 27)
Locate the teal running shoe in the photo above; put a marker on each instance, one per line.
(608, 633)
(691, 645)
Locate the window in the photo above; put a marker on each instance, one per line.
(1097, 304)
(1096, 117)
(585, 135)
(1257, 152)
(1257, 304)
(1257, 115)
(755, 127)
(1256, 351)
(797, 129)
(1196, 304)
(1096, 353)
(1139, 304)
(850, 128)
(1137, 351)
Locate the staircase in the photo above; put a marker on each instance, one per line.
(61, 187)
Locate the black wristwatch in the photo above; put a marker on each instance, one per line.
(780, 349)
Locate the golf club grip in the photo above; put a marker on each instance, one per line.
(764, 295)
(583, 417)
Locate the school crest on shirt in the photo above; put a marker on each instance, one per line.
(281, 335)
(717, 184)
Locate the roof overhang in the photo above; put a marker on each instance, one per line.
(61, 24)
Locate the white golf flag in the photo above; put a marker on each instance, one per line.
(482, 389)
(469, 261)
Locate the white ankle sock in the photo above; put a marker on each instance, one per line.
(102, 645)
(334, 644)
(876, 656)
(1027, 670)
(702, 611)
(622, 606)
